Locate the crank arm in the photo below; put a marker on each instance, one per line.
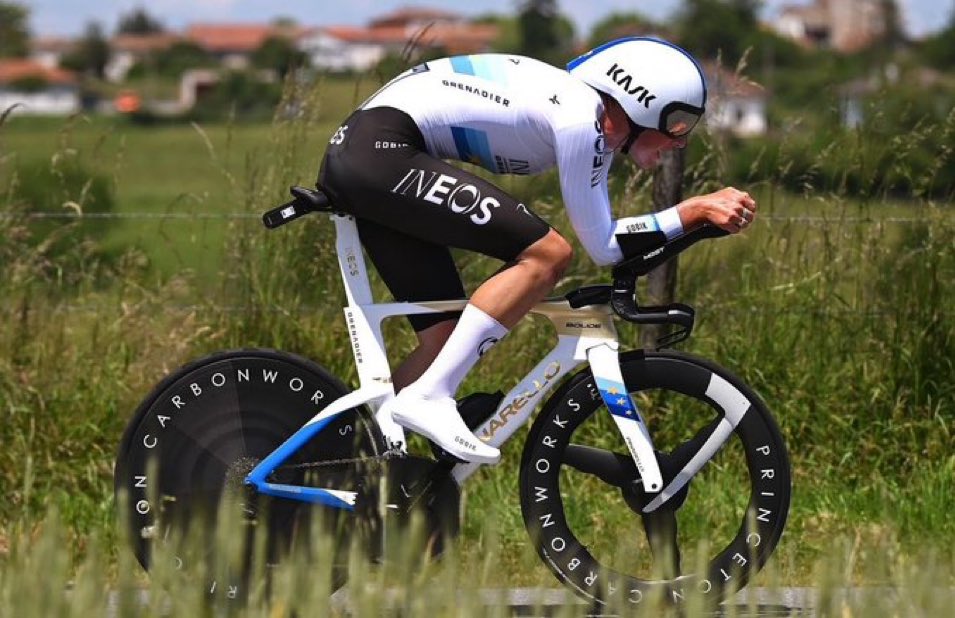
(611, 468)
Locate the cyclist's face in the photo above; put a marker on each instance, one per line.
(650, 144)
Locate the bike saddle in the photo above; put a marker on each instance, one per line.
(306, 201)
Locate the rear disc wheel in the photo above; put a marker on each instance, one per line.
(180, 470)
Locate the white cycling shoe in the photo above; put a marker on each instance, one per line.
(439, 421)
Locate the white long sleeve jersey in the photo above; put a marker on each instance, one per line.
(516, 115)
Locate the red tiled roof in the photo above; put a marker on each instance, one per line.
(143, 43)
(457, 38)
(51, 44)
(355, 34)
(722, 82)
(15, 70)
(233, 37)
(407, 15)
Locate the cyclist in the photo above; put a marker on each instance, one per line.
(511, 115)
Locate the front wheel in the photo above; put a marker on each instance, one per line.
(585, 508)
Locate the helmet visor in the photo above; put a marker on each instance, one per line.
(678, 119)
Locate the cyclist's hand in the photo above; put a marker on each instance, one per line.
(729, 209)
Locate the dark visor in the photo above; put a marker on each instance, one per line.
(677, 119)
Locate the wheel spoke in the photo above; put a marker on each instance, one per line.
(610, 467)
(676, 460)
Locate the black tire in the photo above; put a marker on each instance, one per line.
(732, 515)
(203, 428)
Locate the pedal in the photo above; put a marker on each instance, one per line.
(478, 407)
(475, 409)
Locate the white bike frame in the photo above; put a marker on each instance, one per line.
(586, 334)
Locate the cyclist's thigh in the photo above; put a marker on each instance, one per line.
(380, 171)
(413, 269)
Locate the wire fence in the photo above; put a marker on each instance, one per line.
(94, 308)
(132, 215)
(246, 216)
(250, 216)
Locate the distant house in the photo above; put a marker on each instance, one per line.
(233, 44)
(49, 51)
(129, 49)
(734, 104)
(854, 95)
(349, 48)
(343, 48)
(38, 89)
(843, 25)
(413, 19)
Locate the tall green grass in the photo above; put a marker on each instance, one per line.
(38, 579)
(842, 321)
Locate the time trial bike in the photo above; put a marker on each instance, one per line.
(636, 459)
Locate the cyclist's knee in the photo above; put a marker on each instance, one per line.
(550, 256)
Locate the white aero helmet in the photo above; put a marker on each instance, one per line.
(659, 85)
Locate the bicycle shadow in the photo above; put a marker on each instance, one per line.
(727, 610)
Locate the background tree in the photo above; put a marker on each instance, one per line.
(894, 36)
(545, 33)
(180, 57)
(617, 25)
(91, 54)
(138, 21)
(284, 21)
(508, 39)
(938, 50)
(718, 27)
(279, 54)
(14, 34)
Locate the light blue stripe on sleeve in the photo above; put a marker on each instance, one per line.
(462, 65)
(490, 68)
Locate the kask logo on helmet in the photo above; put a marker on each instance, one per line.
(626, 81)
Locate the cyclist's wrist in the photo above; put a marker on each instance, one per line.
(670, 222)
(666, 222)
(692, 213)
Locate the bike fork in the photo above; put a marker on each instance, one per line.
(605, 365)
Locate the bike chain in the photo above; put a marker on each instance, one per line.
(391, 454)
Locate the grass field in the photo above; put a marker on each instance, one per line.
(180, 169)
(838, 312)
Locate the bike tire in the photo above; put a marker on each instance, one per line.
(201, 430)
(754, 457)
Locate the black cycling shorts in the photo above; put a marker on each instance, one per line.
(411, 206)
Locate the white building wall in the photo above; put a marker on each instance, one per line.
(741, 116)
(331, 54)
(53, 101)
(119, 65)
(47, 59)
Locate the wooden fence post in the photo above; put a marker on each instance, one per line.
(667, 192)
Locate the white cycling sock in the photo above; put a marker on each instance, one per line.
(474, 335)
